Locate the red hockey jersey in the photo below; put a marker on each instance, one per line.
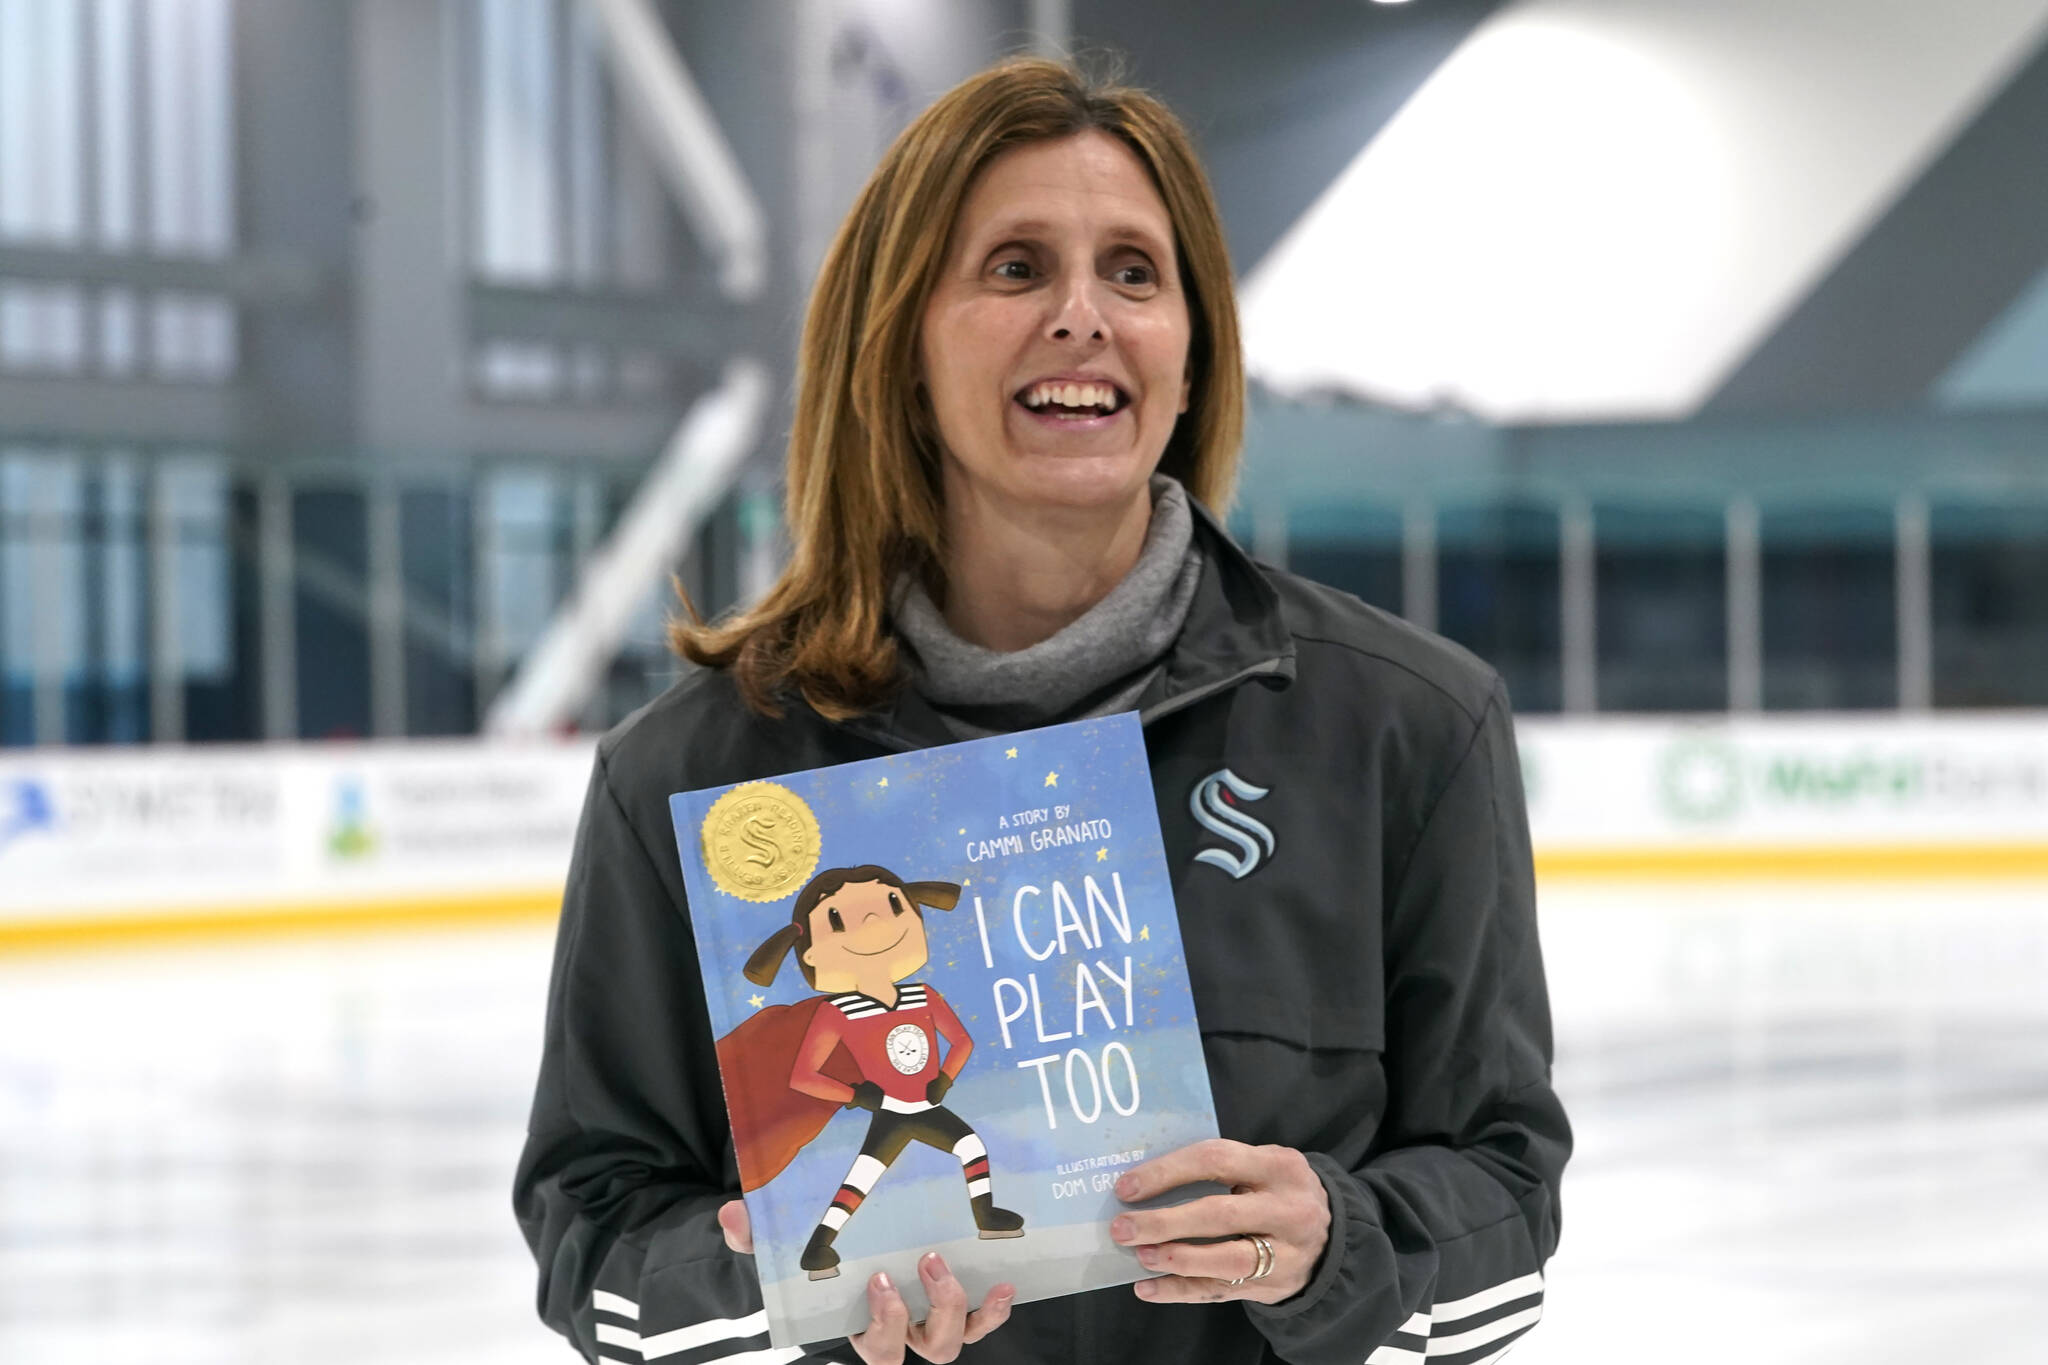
(832, 1042)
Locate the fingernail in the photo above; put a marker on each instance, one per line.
(1120, 1231)
(1145, 1289)
(1127, 1187)
(1006, 1291)
(1148, 1257)
(882, 1281)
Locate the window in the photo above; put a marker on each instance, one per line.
(435, 532)
(116, 133)
(1989, 566)
(1498, 594)
(1830, 608)
(1352, 547)
(330, 551)
(1661, 607)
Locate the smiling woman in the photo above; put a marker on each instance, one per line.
(1054, 348)
(1029, 237)
(1019, 406)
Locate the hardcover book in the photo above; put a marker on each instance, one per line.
(951, 1008)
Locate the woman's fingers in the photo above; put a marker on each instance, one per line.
(946, 1328)
(1216, 1215)
(993, 1313)
(1231, 1260)
(1275, 1193)
(938, 1337)
(737, 1227)
(888, 1324)
(1219, 1159)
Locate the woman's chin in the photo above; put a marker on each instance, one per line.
(1078, 482)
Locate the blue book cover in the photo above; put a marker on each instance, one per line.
(951, 1008)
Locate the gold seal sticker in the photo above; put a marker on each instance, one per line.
(760, 841)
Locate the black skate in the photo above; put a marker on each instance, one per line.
(995, 1222)
(820, 1259)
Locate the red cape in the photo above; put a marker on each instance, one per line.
(770, 1121)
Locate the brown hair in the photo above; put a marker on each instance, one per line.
(863, 490)
(796, 935)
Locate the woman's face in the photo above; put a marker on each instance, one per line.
(1055, 345)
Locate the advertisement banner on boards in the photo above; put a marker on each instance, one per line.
(109, 832)
(1785, 782)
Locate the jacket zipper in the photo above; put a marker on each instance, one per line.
(1263, 668)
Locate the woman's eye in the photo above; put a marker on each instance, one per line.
(895, 902)
(1013, 270)
(838, 924)
(1136, 276)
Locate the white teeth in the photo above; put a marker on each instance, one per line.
(1071, 395)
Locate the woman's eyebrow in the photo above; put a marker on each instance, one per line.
(1030, 228)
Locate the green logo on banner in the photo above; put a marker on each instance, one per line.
(1701, 780)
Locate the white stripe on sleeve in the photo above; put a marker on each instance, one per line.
(703, 1334)
(772, 1356)
(1426, 1325)
(1486, 1298)
(1481, 1336)
(612, 1303)
(611, 1334)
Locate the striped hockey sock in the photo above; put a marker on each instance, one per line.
(819, 1258)
(990, 1220)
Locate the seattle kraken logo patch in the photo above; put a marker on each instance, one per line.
(1215, 802)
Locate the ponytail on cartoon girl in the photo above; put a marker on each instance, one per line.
(767, 959)
(795, 936)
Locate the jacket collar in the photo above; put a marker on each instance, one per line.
(1234, 634)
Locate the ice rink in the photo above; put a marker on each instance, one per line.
(1812, 1127)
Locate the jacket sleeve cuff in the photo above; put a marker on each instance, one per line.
(1352, 1216)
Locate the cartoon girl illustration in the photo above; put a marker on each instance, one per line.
(870, 1041)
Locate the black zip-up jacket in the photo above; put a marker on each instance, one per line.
(1370, 991)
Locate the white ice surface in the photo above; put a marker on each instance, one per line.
(1812, 1128)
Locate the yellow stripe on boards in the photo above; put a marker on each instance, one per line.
(1802, 862)
(94, 930)
(1805, 862)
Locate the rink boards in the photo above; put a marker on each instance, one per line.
(154, 842)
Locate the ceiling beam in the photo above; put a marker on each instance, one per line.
(1941, 264)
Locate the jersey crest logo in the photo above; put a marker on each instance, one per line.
(1215, 803)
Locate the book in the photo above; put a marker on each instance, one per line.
(951, 1007)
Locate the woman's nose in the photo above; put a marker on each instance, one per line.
(1076, 313)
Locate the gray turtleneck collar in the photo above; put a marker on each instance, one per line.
(1098, 664)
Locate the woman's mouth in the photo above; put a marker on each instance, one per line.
(1057, 400)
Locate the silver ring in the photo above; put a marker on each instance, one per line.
(1263, 1265)
(1265, 1257)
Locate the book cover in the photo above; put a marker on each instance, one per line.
(951, 1008)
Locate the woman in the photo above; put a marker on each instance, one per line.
(1010, 438)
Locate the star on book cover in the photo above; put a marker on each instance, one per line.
(951, 1008)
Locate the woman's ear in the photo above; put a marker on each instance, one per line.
(767, 959)
(938, 895)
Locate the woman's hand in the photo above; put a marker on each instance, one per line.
(1273, 1193)
(938, 1338)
